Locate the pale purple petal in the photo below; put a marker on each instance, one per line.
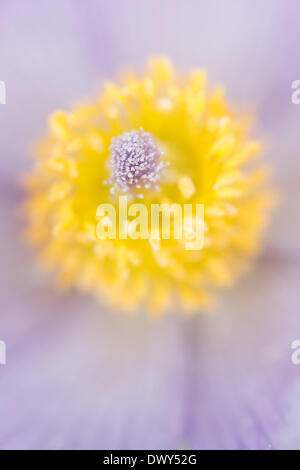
(80, 377)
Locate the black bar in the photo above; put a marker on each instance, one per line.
(128, 459)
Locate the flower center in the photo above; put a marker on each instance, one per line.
(135, 161)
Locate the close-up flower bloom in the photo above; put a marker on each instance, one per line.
(209, 158)
(158, 342)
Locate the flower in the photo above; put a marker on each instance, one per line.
(123, 142)
(78, 377)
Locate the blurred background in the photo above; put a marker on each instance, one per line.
(78, 376)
